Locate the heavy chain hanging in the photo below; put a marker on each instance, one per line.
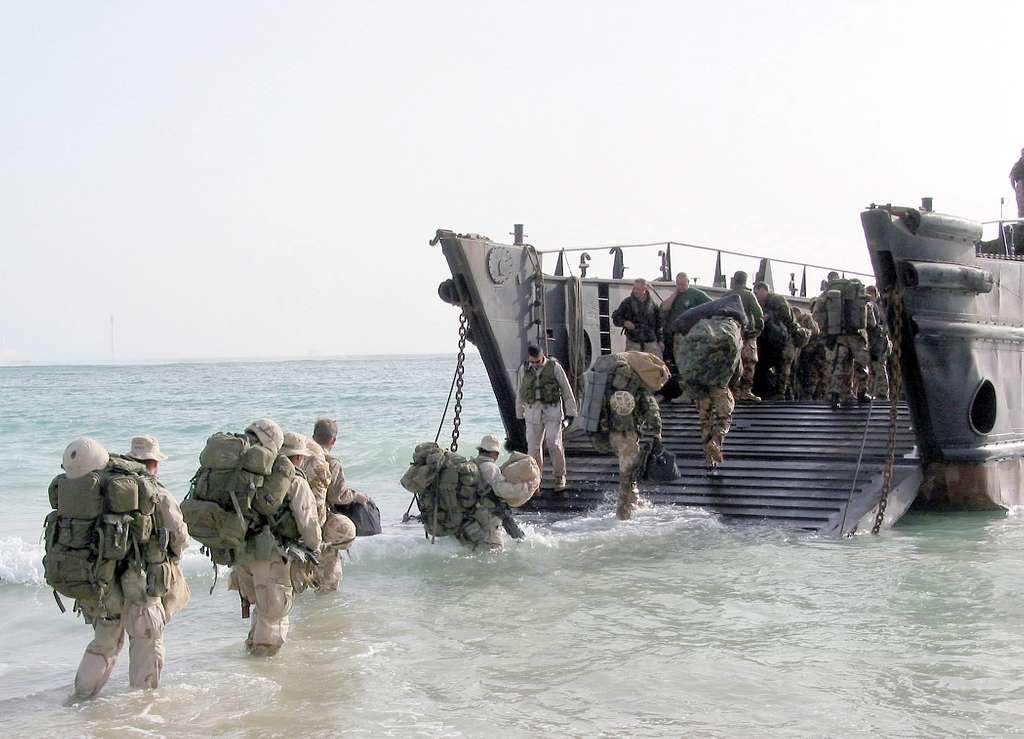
(460, 371)
(894, 308)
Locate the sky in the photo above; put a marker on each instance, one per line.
(261, 179)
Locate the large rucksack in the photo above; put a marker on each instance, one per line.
(709, 354)
(447, 490)
(606, 375)
(845, 307)
(239, 488)
(102, 525)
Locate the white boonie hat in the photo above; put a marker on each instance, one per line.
(294, 446)
(622, 403)
(268, 432)
(83, 456)
(146, 447)
(490, 444)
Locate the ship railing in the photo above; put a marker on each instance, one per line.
(1009, 241)
(663, 268)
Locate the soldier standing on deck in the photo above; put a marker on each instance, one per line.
(785, 335)
(641, 320)
(1017, 183)
(755, 324)
(799, 386)
(544, 399)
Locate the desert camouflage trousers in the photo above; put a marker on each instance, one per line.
(267, 585)
(847, 358)
(626, 445)
(715, 411)
(339, 533)
(144, 623)
(748, 362)
(879, 382)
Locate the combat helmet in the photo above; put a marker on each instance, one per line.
(268, 432)
(83, 456)
(622, 403)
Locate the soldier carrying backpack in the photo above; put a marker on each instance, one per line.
(253, 510)
(112, 543)
(842, 313)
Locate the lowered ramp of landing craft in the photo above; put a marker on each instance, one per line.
(794, 464)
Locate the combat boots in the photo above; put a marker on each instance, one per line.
(747, 396)
(835, 401)
(713, 455)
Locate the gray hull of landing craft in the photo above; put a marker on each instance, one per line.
(962, 352)
(510, 302)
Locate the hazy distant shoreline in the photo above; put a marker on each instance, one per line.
(223, 360)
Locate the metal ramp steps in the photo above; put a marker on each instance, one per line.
(789, 463)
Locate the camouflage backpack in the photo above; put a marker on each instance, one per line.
(446, 486)
(102, 526)
(608, 374)
(709, 354)
(239, 488)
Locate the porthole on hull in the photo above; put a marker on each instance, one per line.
(983, 408)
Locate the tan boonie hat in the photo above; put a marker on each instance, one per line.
(295, 446)
(83, 456)
(268, 432)
(490, 444)
(145, 448)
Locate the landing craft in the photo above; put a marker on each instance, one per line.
(958, 302)
(798, 464)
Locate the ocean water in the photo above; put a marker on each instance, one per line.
(673, 624)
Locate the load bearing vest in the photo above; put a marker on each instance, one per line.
(103, 526)
(238, 491)
(541, 386)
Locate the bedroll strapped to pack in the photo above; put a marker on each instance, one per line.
(447, 490)
(730, 306)
(608, 374)
(240, 486)
(102, 525)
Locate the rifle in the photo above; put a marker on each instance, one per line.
(508, 521)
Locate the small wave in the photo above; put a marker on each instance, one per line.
(21, 563)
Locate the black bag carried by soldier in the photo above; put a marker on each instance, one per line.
(661, 467)
(366, 516)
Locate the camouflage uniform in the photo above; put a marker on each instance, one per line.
(748, 353)
(880, 349)
(708, 357)
(338, 531)
(624, 440)
(777, 311)
(846, 356)
(798, 388)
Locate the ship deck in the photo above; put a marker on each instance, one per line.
(795, 464)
